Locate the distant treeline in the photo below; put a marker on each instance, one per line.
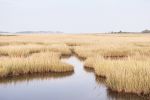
(28, 32)
(3, 32)
(146, 31)
(122, 32)
(47, 32)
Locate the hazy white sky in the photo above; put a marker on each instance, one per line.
(74, 15)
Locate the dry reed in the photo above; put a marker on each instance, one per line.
(36, 63)
(130, 75)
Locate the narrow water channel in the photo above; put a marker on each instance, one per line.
(80, 85)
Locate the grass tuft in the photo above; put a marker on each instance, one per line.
(36, 63)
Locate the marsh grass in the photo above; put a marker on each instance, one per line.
(89, 62)
(36, 63)
(111, 51)
(129, 75)
(26, 50)
(123, 59)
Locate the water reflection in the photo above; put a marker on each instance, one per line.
(89, 70)
(36, 76)
(100, 80)
(122, 96)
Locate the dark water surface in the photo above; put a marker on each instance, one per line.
(80, 85)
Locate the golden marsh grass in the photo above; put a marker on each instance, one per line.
(122, 58)
(36, 63)
(26, 50)
(129, 75)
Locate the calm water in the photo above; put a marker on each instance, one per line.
(80, 85)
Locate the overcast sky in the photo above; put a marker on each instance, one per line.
(74, 16)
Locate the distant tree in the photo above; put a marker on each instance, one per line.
(146, 31)
(120, 31)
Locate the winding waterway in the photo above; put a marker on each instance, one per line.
(82, 84)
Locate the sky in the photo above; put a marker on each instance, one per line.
(74, 16)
